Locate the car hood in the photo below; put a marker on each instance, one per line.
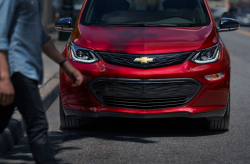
(145, 40)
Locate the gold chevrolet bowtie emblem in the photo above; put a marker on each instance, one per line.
(144, 60)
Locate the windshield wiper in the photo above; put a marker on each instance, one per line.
(145, 25)
(161, 25)
(187, 25)
(170, 25)
(120, 25)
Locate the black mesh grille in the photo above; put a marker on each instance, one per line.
(161, 60)
(144, 94)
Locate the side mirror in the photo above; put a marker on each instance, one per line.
(64, 25)
(228, 24)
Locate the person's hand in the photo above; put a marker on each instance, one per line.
(7, 92)
(73, 74)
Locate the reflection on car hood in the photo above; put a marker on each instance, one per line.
(145, 40)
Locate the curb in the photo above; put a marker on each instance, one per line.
(17, 128)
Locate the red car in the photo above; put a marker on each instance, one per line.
(147, 59)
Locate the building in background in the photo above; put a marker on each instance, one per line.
(48, 17)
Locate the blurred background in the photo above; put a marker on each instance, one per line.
(55, 9)
(237, 9)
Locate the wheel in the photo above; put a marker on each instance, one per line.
(68, 122)
(221, 123)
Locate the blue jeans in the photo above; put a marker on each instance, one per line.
(29, 103)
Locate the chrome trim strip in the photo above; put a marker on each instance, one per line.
(234, 29)
(227, 29)
(64, 29)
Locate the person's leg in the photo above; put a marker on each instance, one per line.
(5, 115)
(30, 105)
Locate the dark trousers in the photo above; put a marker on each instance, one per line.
(29, 103)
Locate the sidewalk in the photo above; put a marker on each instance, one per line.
(50, 67)
(49, 92)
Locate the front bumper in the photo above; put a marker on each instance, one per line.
(214, 113)
(210, 101)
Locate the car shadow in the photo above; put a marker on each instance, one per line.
(139, 130)
(21, 153)
(114, 129)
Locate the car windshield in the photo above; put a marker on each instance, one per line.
(185, 13)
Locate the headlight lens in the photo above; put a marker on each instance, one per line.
(80, 54)
(208, 55)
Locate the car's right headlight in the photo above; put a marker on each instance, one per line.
(82, 55)
(208, 55)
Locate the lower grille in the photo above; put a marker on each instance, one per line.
(144, 94)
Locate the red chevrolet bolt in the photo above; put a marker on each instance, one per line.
(147, 59)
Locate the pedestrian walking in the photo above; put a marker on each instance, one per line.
(22, 40)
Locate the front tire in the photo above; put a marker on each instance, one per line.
(68, 122)
(221, 123)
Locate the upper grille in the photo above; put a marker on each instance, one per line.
(161, 60)
(144, 94)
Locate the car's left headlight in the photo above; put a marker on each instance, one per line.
(80, 54)
(209, 55)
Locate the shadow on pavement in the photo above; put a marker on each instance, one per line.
(113, 129)
(21, 153)
(137, 130)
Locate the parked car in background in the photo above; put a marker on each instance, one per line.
(218, 12)
(141, 61)
(243, 17)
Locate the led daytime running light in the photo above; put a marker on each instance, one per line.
(208, 55)
(82, 55)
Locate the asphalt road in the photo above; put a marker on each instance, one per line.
(171, 141)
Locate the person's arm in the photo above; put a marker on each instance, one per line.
(50, 50)
(7, 92)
